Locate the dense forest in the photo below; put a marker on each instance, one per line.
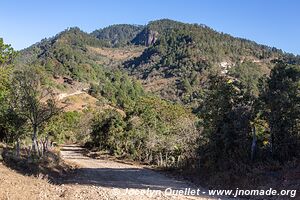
(169, 94)
(118, 35)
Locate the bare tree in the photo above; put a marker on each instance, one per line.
(32, 100)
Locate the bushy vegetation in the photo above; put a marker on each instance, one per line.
(234, 126)
(118, 89)
(150, 130)
(249, 73)
(7, 53)
(242, 130)
(226, 115)
(155, 131)
(68, 127)
(26, 104)
(281, 109)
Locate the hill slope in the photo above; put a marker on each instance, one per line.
(172, 59)
(74, 60)
(118, 35)
(181, 55)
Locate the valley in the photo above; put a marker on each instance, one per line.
(217, 110)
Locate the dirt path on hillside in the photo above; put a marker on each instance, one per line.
(65, 95)
(123, 181)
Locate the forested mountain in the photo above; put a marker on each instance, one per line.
(181, 55)
(184, 96)
(174, 58)
(118, 35)
(64, 54)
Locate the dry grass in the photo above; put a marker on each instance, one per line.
(80, 102)
(28, 178)
(16, 186)
(118, 54)
(158, 84)
(49, 165)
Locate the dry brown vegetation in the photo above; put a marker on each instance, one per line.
(119, 54)
(15, 186)
(79, 102)
(156, 85)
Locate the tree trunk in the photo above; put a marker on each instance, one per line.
(34, 139)
(147, 156)
(151, 157)
(18, 148)
(161, 159)
(46, 143)
(38, 147)
(28, 150)
(166, 163)
(253, 146)
(41, 147)
(178, 161)
(272, 140)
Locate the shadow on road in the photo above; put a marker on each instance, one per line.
(106, 173)
(123, 178)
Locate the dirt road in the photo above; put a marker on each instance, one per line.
(121, 181)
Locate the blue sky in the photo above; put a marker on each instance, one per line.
(271, 22)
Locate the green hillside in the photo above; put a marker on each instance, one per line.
(172, 59)
(184, 54)
(64, 55)
(118, 35)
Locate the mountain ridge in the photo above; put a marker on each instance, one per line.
(178, 56)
